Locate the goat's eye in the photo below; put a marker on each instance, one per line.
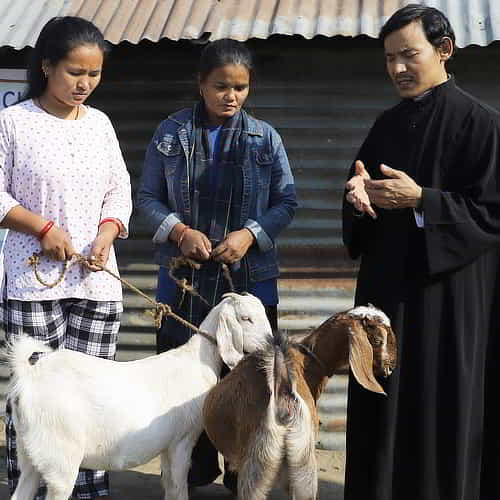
(246, 318)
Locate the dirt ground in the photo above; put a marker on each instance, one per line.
(143, 483)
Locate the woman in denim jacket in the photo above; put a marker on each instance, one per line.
(216, 187)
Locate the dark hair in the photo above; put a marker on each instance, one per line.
(58, 37)
(222, 52)
(434, 23)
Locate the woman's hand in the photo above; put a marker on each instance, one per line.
(193, 243)
(101, 246)
(234, 247)
(56, 243)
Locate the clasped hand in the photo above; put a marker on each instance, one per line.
(230, 250)
(399, 190)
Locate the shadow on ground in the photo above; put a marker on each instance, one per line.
(143, 483)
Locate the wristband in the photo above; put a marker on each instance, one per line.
(114, 221)
(45, 229)
(181, 236)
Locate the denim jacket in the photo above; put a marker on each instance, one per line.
(269, 198)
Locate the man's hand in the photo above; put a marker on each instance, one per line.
(399, 191)
(357, 194)
(234, 247)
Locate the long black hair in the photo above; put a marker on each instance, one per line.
(222, 52)
(435, 24)
(59, 37)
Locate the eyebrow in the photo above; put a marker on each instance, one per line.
(401, 51)
(237, 84)
(79, 68)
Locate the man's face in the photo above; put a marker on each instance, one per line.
(413, 63)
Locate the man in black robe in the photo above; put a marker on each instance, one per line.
(422, 209)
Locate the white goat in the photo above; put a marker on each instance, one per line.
(72, 410)
(262, 416)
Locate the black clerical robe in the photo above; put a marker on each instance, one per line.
(436, 436)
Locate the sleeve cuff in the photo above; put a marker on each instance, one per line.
(7, 203)
(163, 232)
(264, 242)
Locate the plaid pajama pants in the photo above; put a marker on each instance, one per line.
(82, 325)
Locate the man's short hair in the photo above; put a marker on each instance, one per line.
(434, 23)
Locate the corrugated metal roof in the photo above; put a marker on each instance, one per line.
(22, 20)
(474, 21)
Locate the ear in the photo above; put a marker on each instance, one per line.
(446, 48)
(229, 335)
(361, 361)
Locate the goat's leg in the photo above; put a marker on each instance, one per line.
(60, 474)
(303, 480)
(262, 464)
(301, 461)
(59, 492)
(61, 482)
(29, 480)
(175, 464)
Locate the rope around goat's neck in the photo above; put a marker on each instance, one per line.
(311, 354)
(160, 311)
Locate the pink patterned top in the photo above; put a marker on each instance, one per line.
(71, 172)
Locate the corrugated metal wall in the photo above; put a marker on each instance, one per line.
(321, 104)
(322, 95)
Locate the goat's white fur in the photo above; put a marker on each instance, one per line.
(369, 312)
(72, 410)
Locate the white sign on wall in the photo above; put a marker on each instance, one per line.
(12, 85)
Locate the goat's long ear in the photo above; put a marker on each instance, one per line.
(229, 336)
(361, 361)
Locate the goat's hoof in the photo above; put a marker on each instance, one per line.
(230, 481)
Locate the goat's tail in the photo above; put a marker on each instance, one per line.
(20, 356)
(282, 381)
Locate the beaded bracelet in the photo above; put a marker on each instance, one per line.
(114, 221)
(45, 229)
(181, 236)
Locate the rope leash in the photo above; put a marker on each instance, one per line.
(160, 309)
(180, 261)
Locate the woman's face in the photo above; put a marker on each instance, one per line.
(224, 91)
(75, 77)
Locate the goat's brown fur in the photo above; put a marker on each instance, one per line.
(235, 409)
(223, 409)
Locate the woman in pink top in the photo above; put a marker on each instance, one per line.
(64, 189)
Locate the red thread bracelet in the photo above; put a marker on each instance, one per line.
(114, 221)
(181, 236)
(45, 229)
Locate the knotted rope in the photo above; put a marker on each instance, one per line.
(160, 309)
(183, 284)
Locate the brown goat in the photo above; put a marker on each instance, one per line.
(262, 415)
